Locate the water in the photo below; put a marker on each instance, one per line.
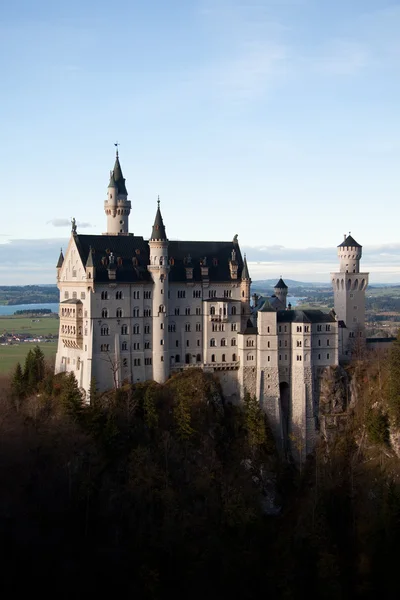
(10, 310)
(294, 300)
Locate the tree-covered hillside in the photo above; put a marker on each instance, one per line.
(165, 491)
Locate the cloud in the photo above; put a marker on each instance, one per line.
(67, 223)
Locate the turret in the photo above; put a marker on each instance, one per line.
(349, 253)
(349, 286)
(60, 263)
(159, 268)
(117, 206)
(281, 291)
(245, 295)
(90, 268)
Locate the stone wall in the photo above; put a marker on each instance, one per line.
(229, 385)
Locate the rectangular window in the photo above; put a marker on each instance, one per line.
(198, 342)
(233, 327)
(136, 362)
(147, 328)
(328, 328)
(299, 357)
(196, 293)
(136, 346)
(187, 311)
(177, 343)
(147, 345)
(327, 356)
(181, 294)
(198, 327)
(187, 342)
(319, 327)
(177, 311)
(198, 311)
(147, 361)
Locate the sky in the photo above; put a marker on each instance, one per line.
(276, 120)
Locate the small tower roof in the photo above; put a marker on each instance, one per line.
(245, 271)
(117, 179)
(281, 285)
(266, 307)
(158, 232)
(112, 183)
(60, 260)
(89, 262)
(350, 241)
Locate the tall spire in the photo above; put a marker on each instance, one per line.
(89, 262)
(158, 232)
(60, 260)
(245, 271)
(118, 177)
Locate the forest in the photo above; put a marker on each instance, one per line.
(162, 491)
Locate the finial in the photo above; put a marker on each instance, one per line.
(158, 202)
(116, 144)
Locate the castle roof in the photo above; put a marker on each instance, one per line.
(350, 242)
(266, 307)
(304, 316)
(60, 260)
(281, 285)
(158, 232)
(89, 262)
(118, 178)
(245, 271)
(131, 255)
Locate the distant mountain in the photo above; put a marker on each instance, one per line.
(291, 283)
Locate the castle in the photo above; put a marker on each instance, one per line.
(133, 309)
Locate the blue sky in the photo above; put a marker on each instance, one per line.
(277, 120)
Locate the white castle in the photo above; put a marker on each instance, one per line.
(133, 309)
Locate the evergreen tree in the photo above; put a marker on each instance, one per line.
(18, 383)
(40, 366)
(71, 396)
(30, 378)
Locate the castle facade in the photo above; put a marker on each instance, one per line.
(134, 309)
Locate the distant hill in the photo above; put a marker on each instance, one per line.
(291, 283)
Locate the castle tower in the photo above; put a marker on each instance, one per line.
(281, 290)
(159, 268)
(245, 283)
(117, 206)
(349, 286)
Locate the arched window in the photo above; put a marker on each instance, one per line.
(233, 342)
(223, 342)
(198, 358)
(104, 313)
(74, 295)
(161, 308)
(119, 312)
(233, 357)
(104, 295)
(124, 330)
(212, 310)
(223, 358)
(177, 358)
(212, 357)
(136, 311)
(104, 330)
(187, 326)
(136, 328)
(212, 342)
(124, 346)
(118, 295)
(233, 310)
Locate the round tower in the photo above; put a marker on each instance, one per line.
(117, 206)
(281, 291)
(349, 253)
(159, 268)
(349, 285)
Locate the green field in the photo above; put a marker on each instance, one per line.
(10, 355)
(32, 325)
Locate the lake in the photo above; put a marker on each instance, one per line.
(10, 310)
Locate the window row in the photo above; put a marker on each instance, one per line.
(187, 311)
(71, 329)
(222, 311)
(105, 295)
(223, 358)
(213, 342)
(74, 295)
(70, 312)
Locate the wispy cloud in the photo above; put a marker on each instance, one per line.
(67, 223)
